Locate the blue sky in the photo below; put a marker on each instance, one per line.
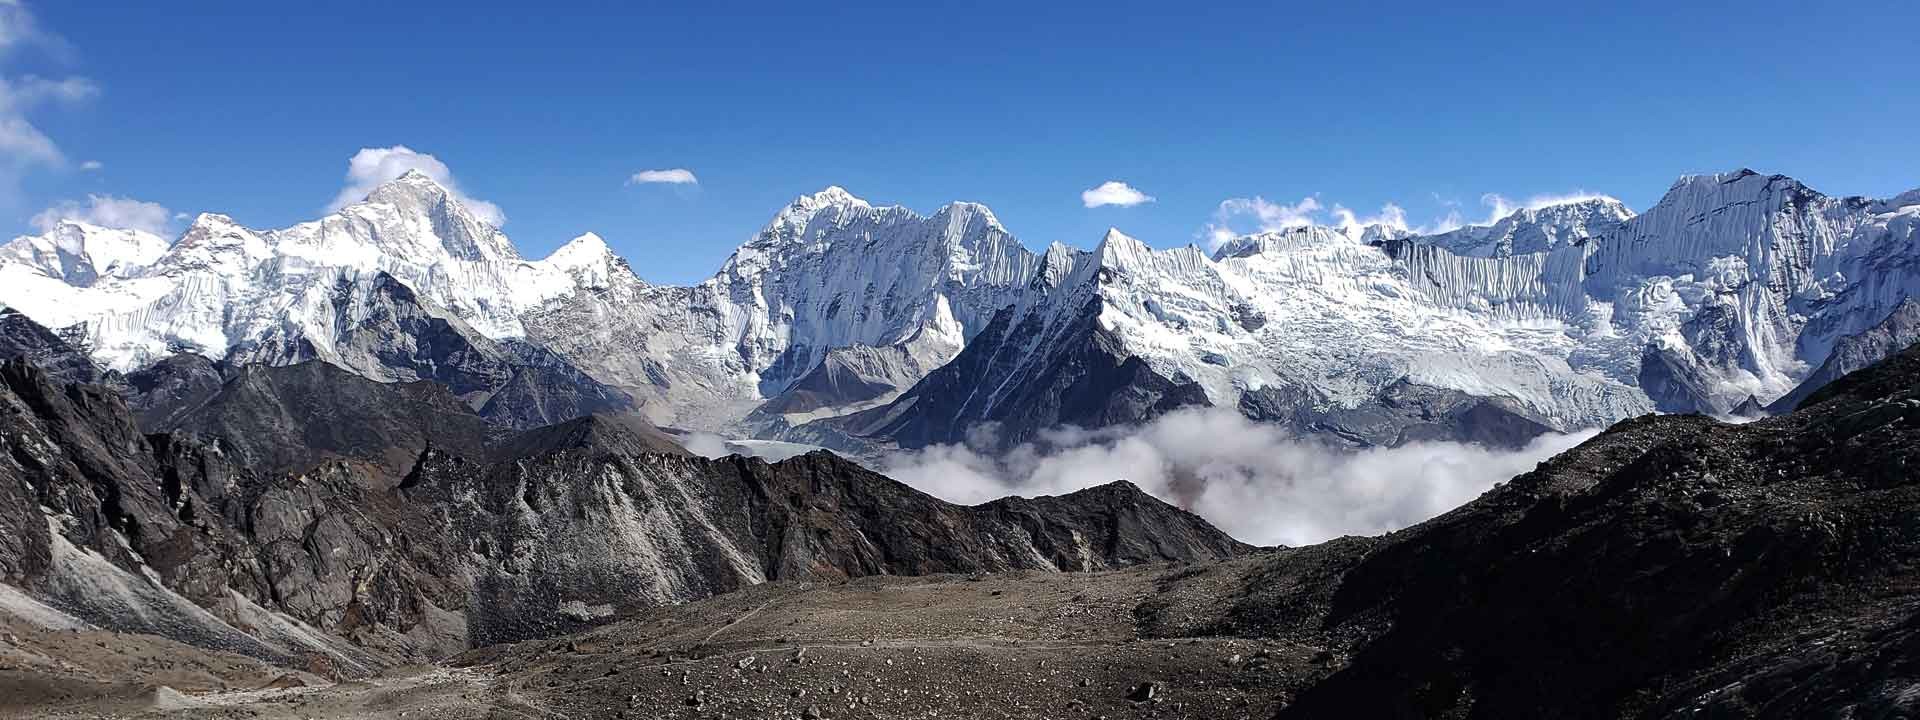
(253, 109)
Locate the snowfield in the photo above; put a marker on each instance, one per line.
(1582, 312)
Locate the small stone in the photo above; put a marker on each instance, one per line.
(1143, 692)
(811, 713)
(745, 662)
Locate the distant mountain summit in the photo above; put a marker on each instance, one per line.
(864, 326)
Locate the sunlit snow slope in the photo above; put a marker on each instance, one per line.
(842, 320)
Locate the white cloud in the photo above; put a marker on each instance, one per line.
(18, 27)
(1252, 480)
(1267, 215)
(21, 143)
(1114, 192)
(92, 165)
(109, 211)
(1498, 206)
(672, 176)
(1239, 216)
(1390, 215)
(372, 167)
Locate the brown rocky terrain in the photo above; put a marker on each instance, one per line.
(1672, 566)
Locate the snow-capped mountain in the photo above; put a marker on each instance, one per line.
(1311, 314)
(855, 324)
(223, 285)
(406, 285)
(887, 293)
(1555, 318)
(1739, 284)
(79, 253)
(1538, 229)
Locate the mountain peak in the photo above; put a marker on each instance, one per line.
(834, 195)
(1120, 250)
(587, 248)
(1114, 240)
(588, 259)
(414, 176)
(410, 184)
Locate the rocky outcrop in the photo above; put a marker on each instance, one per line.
(1901, 330)
(1403, 412)
(1673, 565)
(162, 393)
(999, 393)
(310, 506)
(280, 420)
(381, 329)
(22, 338)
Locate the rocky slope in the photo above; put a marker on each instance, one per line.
(22, 338)
(381, 329)
(1673, 566)
(1757, 570)
(1901, 330)
(303, 512)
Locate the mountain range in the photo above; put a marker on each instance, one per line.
(298, 540)
(864, 328)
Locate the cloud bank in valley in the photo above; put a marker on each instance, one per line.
(1254, 481)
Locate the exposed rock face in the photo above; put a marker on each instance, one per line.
(834, 298)
(21, 337)
(1403, 412)
(381, 329)
(90, 510)
(289, 419)
(1085, 378)
(1901, 330)
(307, 500)
(849, 376)
(161, 393)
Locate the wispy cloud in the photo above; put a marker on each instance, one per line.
(20, 140)
(1114, 192)
(671, 176)
(23, 145)
(1390, 215)
(19, 28)
(1267, 216)
(1252, 480)
(92, 165)
(372, 167)
(1499, 206)
(1239, 216)
(109, 211)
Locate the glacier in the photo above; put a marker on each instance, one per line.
(1573, 314)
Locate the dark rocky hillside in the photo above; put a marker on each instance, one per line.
(305, 512)
(1672, 566)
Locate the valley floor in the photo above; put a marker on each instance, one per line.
(1018, 645)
